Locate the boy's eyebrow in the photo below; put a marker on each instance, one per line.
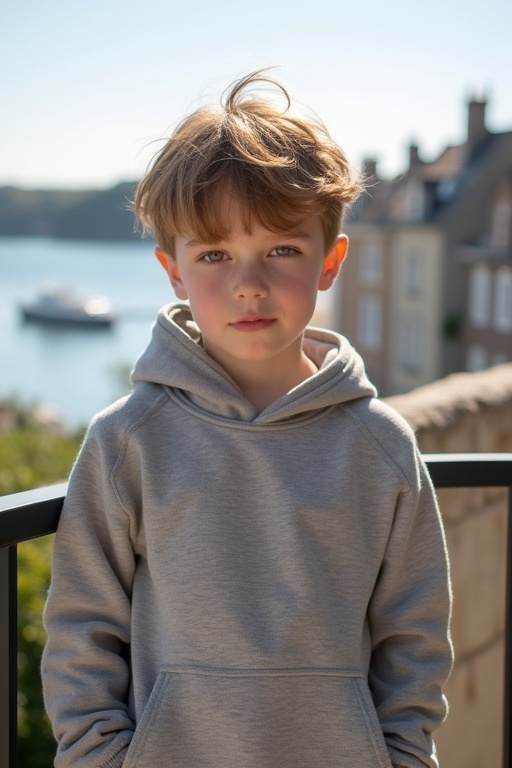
(194, 243)
(297, 234)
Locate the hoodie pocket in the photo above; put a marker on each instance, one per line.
(214, 718)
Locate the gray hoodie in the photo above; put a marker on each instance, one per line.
(234, 589)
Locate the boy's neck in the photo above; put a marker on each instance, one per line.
(261, 384)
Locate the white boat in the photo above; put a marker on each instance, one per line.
(58, 306)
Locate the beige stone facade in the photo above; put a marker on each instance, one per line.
(471, 413)
(415, 308)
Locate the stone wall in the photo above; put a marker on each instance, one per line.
(471, 413)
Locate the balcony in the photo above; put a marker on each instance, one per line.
(36, 513)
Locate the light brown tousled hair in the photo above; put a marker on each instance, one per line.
(280, 167)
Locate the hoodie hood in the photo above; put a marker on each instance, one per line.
(175, 358)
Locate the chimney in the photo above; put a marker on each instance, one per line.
(477, 131)
(414, 155)
(370, 168)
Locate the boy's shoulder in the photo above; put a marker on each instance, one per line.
(117, 422)
(390, 434)
(385, 420)
(109, 456)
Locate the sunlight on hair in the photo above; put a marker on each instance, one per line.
(280, 166)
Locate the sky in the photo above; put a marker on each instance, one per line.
(89, 89)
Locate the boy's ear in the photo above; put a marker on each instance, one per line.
(333, 262)
(170, 266)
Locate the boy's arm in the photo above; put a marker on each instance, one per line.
(409, 619)
(85, 673)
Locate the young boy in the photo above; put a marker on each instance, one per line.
(250, 569)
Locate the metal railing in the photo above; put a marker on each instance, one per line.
(23, 516)
(36, 513)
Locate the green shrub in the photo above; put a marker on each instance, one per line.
(31, 456)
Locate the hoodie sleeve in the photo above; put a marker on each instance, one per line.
(85, 673)
(409, 619)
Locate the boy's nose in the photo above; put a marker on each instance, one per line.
(250, 284)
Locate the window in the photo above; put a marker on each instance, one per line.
(477, 359)
(371, 264)
(445, 189)
(413, 274)
(369, 323)
(415, 201)
(479, 296)
(500, 225)
(503, 300)
(411, 343)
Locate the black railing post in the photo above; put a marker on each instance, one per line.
(507, 682)
(486, 470)
(8, 658)
(23, 516)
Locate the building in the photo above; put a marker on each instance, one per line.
(488, 263)
(429, 252)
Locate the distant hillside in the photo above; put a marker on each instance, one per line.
(94, 214)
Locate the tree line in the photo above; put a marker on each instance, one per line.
(92, 214)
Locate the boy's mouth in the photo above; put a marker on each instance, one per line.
(253, 324)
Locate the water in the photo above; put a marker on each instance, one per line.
(77, 371)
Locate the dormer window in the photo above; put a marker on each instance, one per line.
(445, 189)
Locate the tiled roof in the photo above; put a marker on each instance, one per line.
(447, 166)
(443, 180)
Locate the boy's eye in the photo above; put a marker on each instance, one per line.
(283, 250)
(213, 256)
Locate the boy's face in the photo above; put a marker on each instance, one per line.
(253, 294)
